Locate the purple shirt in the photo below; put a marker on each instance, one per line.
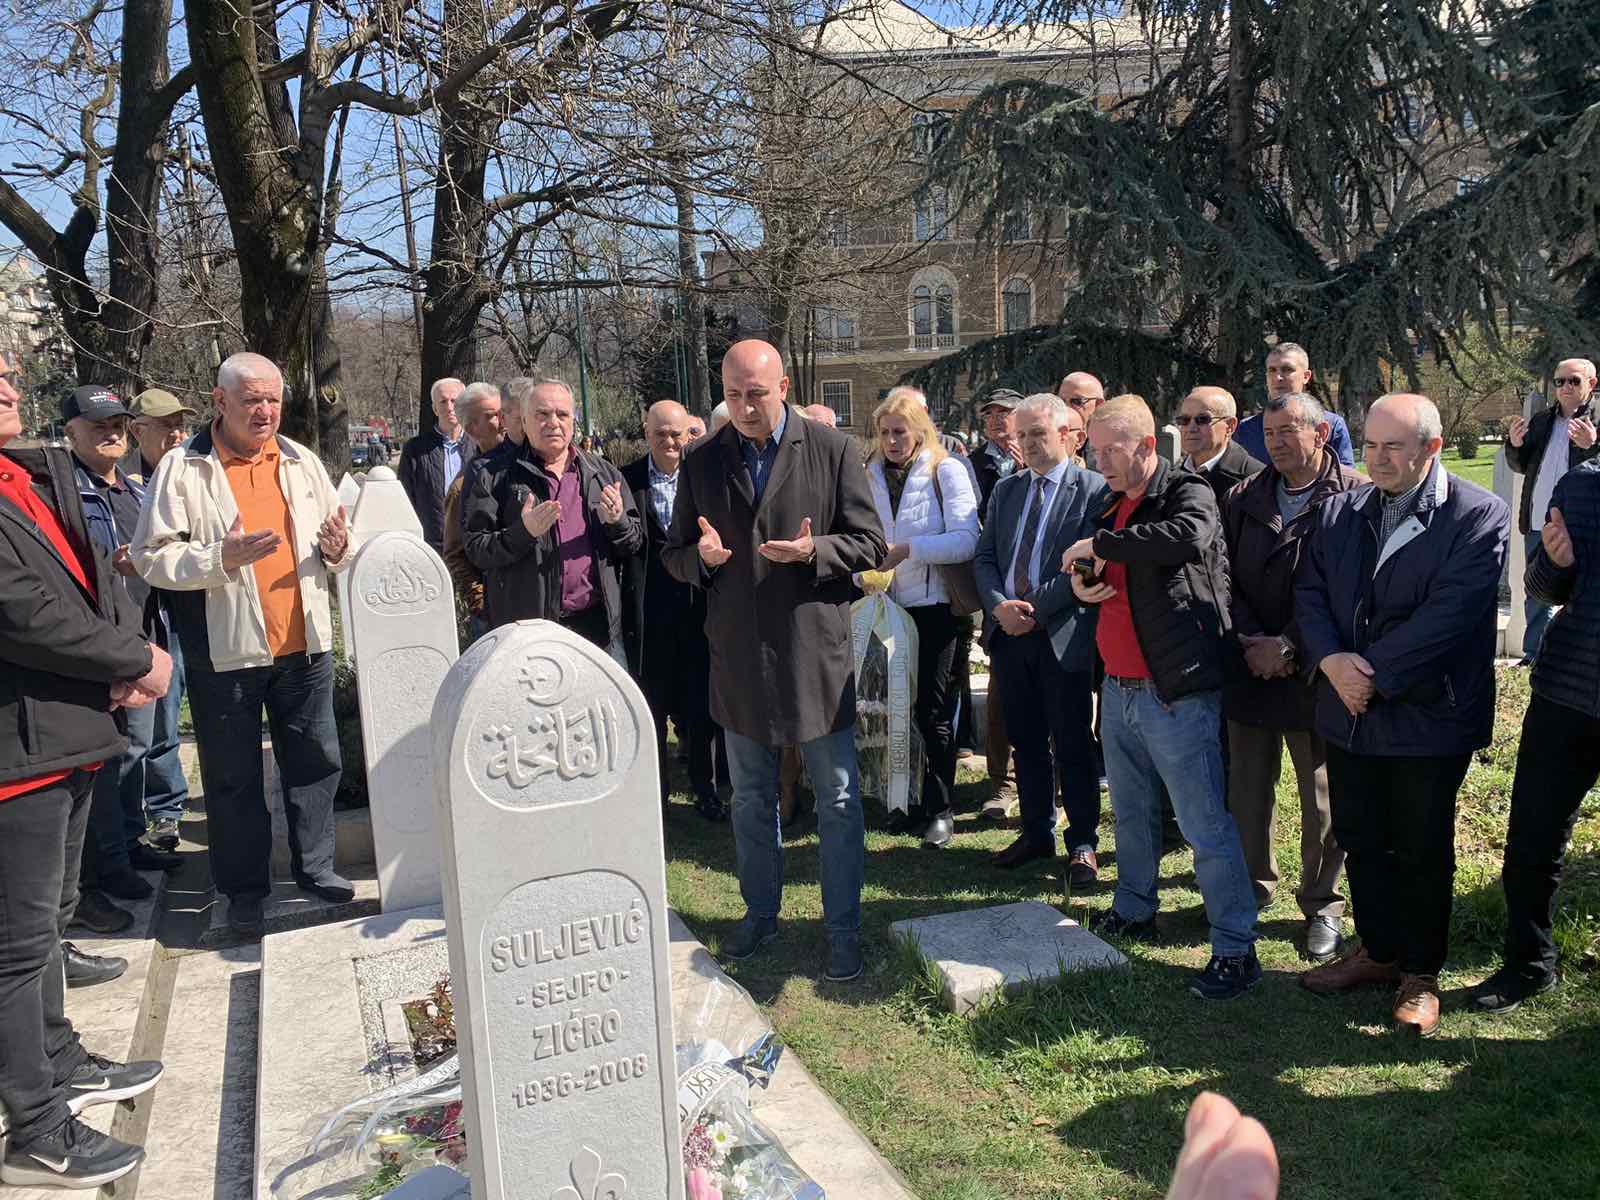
(572, 539)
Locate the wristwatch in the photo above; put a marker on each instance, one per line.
(1285, 649)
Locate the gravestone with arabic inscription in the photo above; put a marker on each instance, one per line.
(555, 901)
(403, 616)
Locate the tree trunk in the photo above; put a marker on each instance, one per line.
(1238, 327)
(697, 364)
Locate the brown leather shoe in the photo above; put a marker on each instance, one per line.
(1083, 868)
(1019, 852)
(1351, 971)
(1416, 1005)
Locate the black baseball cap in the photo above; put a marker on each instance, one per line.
(93, 403)
(1001, 398)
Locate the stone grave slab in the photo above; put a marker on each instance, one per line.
(383, 505)
(555, 899)
(1169, 443)
(436, 1183)
(349, 493)
(981, 951)
(403, 613)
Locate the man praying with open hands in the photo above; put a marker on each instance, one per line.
(773, 514)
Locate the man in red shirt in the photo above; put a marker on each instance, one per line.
(1162, 560)
(70, 655)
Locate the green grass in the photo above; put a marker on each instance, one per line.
(1078, 1091)
(1478, 470)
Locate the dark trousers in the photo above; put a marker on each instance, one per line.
(1046, 704)
(1558, 761)
(41, 840)
(297, 690)
(116, 815)
(938, 697)
(593, 624)
(1396, 819)
(966, 734)
(677, 683)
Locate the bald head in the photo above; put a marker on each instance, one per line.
(666, 432)
(1083, 392)
(1403, 435)
(822, 415)
(1206, 420)
(1574, 383)
(754, 388)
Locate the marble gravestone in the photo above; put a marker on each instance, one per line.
(1169, 443)
(403, 620)
(555, 902)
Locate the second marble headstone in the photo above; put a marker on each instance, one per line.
(403, 617)
(555, 901)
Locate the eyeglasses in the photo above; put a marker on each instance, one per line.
(1200, 419)
(1570, 381)
(1080, 401)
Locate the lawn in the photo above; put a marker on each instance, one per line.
(1078, 1091)
(1478, 470)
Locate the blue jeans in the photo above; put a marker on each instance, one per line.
(166, 791)
(758, 840)
(1536, 612)
(116, 814)
(1148, 743)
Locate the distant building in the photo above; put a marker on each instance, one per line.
(32, 337)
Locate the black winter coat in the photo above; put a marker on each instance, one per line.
(1567, 670)
(782, 664)
(1177, 559)
(1422, 611)
(655, 605)
(1235, 466)
(421, 473)
(1263, 556)
(61, 649)
(1527, 458)
(522, 573)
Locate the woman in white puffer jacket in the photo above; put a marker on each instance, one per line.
(924, 535)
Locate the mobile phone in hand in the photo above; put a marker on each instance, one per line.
(1083, 568)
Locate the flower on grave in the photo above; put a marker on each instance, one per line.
(702, 1184)
(746, 1179)
(698, 1150)
(722, 1139)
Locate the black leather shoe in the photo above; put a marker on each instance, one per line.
(1019, 852)
(940, 830)
(148, 858)
(99, 915)
(1112, 924)
(1322, 938)
(748, 936)
(86, 970)
(246, 917)
(74, 1156)
(125, 884)
(710, 807)
(1507, 988)
(335, 889)
(844, 958)
(101, 1081)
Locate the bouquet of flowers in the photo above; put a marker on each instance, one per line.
(888, 745)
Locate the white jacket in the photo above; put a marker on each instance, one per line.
(178, 546)
(935, 537)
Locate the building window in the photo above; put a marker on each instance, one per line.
(933, 217)
(1467, 184)
(1016, 305)
(1016, 225)
(933, 316)
(838, 229)
(836, 395)
(834, 331)
(928, 132)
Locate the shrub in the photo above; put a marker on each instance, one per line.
(1467, 442)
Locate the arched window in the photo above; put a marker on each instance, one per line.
(835, 331)
(1016, 305)
(933, 311)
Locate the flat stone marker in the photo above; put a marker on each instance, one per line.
(403, 614)
(555, 902)
(983, 950)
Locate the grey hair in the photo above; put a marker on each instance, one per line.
(1288, 349)
(1429, 425)
(906, 390)
(1308, 409)
(433, 391)
(550, 381)
(237, 368)
(1051, 405)
(518, 388)
(474, 392)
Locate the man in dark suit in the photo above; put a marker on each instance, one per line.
(1040, 637)
(1206, 422)
(663, 619)
(431, 461)
(773, 515)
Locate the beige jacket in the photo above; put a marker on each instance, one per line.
(178, 546)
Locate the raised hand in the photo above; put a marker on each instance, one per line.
(1556, 540)
(712, 552)
(798, 550)
(240, 549)
(1582, 432)
(122, 563)
(539, 518)
(333, 536)
(611, 506)
(1518, 431)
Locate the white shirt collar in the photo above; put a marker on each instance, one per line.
(1205, 466)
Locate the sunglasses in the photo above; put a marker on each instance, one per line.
(1080, 401)
(1200, 419)
(1570, 381)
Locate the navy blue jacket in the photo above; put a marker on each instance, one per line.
(1082, 498)
(1423, 613)
(1567, 670)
